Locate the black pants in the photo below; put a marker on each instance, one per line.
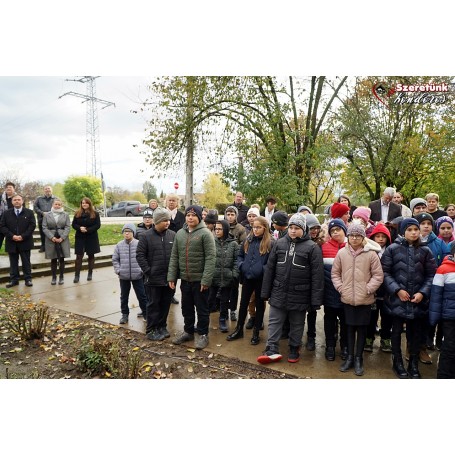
(311, 323)
(234, 297)
(361, 332)
(221, 295)
(333, 319)
(14, 264)
(446, 366)
(195, 301)
(414, 330)
(159, 301)
(386, 322)
(248, 287)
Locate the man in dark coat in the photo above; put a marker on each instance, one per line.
(17, 225)
(384, 209)
(43, 204)
(6, 202)
(240, 206)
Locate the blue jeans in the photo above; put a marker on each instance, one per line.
(139, 290)
(193, 299)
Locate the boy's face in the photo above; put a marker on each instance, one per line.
(412, 233)
(148, 220)
(191, 220)
(162, 226)
(127, 234)
(432, 204)
(446, 230)
(219, 231)
(230, 217)
(426, 227)
(337, 234)
(380, 239)
(295, 232)
(314, 231)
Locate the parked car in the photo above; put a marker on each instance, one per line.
(127, 208)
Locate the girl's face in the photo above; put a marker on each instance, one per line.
(426, 227)
(343, 200)
(204, 214)
(446, 230)
(380, 239)
(337, 234)
(314, 231)
(451, 211)
(219, 231)
(258, 229)
(412, 233)
(251, 217)
(355, 241)
(85, 205)
(295, 232)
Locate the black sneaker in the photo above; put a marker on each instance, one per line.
(294, 354)
(11, 284)
(330, 353)
(250, 323)
(311, 344)
(124, 319)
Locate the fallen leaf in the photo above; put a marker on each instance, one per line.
(190, 369)
(148, 364)
(210, 355)
(166, 365)
(219, 345)
(191, 350)
(107, 374)
(136, 348)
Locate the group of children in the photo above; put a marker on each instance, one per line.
(353, 269)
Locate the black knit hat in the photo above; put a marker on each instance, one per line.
(421, 217)
(196, 209)
(211, 218)
(406, 223)
(280, 218)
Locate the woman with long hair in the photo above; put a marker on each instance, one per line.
(253, 256)
(86, 222)
(56, 229)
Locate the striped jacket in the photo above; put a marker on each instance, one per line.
(442, 299)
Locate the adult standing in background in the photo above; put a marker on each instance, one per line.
(398, 199)
(86, 223)
(269, 210)
(43, 205)
(177, 217)
(153, 204)
(433, 206)
(240, 206)
(56, 229)
(384, 209)
(6, 202)
(17, 225)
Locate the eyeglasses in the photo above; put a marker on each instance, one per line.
(218, 229)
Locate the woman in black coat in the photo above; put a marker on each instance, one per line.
(86, 222)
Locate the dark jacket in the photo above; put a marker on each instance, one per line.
(409, 268)
(178, 222)
(332, 297)
(43, 204)
(375, 206)
(442, 300)
(252, 264)
(86, 242)
(193, 256)
(294, 276)
(153, 255)
(141, 229)
(438, 247)
(226, 270)
(243, 211)
(23, 225)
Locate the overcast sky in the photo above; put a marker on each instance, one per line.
(43, 136)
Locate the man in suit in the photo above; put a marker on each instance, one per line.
(6, 202)
(385, 209)
(17, 225)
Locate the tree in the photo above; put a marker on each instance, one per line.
(77, 187)
(215, 191)
(149, 190)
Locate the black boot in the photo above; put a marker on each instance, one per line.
(91, 264)
(398, 367)
(255, 338)
(76, 278)
(89, 276)
(54, 279)
(236, 334)
(54, 271)
(347, 364)
(413, 367)
(330, 353)
(78, 266)
(358, 365)
(62, 271)
(344, 353)
(250, 323)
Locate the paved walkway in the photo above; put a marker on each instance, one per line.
(99, 299)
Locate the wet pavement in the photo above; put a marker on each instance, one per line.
(100, 299)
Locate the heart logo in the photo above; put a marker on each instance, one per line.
(382, 93)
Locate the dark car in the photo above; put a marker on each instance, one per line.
(127, 208)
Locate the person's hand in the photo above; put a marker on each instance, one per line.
(204, 287)
(83, 229)
(403, 295)
(171, 284)
(417, 298)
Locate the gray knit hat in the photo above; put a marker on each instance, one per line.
(298, 220)
(129, 226)
(231, 208)
(304, 207)
(356, 229)
(312, 221)
(161, 214)
(417, 201)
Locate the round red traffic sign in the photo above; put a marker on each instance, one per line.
(176, 185)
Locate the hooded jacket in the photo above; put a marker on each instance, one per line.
(294, 276)
(442, 300)
(193, 255)
(124, 260)
(409, 268)
(227, 251)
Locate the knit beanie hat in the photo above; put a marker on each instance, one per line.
(421, 217)
(356, 229)
(304, 207)
(196, 210)
(337, 223)
(443, 219)
(211, 217)
(362, 212)
(406, 223)
(312, 221)
(161, 214)
(253, 210)
(417, 201)
(231, 208)
(338, 210)
(280, 218)
(298, 220)
(129, 226)
(148, 213)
